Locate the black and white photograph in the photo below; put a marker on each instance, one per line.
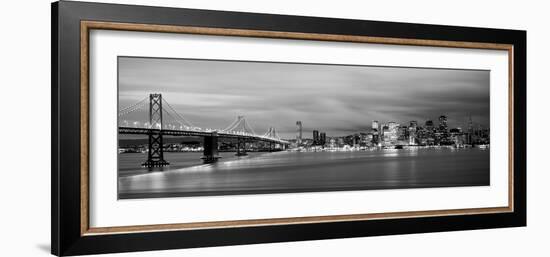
(197, 127)
(288, 128)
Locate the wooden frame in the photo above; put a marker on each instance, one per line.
(71, 24)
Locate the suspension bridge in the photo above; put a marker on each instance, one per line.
(155, 117)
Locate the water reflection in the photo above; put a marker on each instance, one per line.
(304, 171)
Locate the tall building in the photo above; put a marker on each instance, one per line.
(322, 138)
(470, 136)
(390, 133)
(383, 130)
(316, 137)
(413, 128)
(443, 123)
(340, 141)
(299, 132)
(403, 133)
(375, 124)
(429, 125)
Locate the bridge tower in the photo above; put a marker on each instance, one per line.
(155, 157)
(272, 133)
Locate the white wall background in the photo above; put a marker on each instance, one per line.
(25, 104)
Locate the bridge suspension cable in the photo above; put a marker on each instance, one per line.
(133, 107)
(246, 125)
(233, 124)
(138, 115)
(272, 133)
(240, 125)
(181, 120)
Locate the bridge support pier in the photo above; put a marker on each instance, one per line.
(210, 152)
(155, 156)
(241, 147)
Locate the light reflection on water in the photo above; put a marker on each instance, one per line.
(304, 171)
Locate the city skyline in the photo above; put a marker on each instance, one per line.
(307, 134)
(336, 99)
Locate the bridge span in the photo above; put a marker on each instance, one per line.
(167, 122)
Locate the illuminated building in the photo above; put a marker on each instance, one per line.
(413, 127)
(340, 141)
(443, 123)
(375, 124)
(316, 137)
(429, 125)
(470, 136)
(403, 135)
(299, 132)
(390, 133)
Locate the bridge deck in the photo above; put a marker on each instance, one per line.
(170, 132)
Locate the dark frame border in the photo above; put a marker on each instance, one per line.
(67, 238)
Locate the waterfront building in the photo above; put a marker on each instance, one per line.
(298, 133)
(384, 132)
(375, 125)
(470, 135)
(402, 135)
(413, 128)
(443, 123)
(369, 139)
(390, 133)
(429, 125)
(356, 140)
(316, 137)
(322, 138)
(405, 131)
(375, 139)
(332, 143)
(340, 141)
(374, 131)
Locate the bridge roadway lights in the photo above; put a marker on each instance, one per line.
(151, 164)
(210, 153)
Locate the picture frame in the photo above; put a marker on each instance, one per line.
(70, 167)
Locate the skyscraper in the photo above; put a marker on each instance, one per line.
(390, 133)
(323, 138)
(443, 123)
(413, 128)
(298, 132)
(383, 129)
(316, 137)
(429, 125)
(393, 131)
(470, 136)
(375, 124)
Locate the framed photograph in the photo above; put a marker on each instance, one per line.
(178, 128)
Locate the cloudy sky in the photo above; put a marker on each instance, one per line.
(337, 99)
